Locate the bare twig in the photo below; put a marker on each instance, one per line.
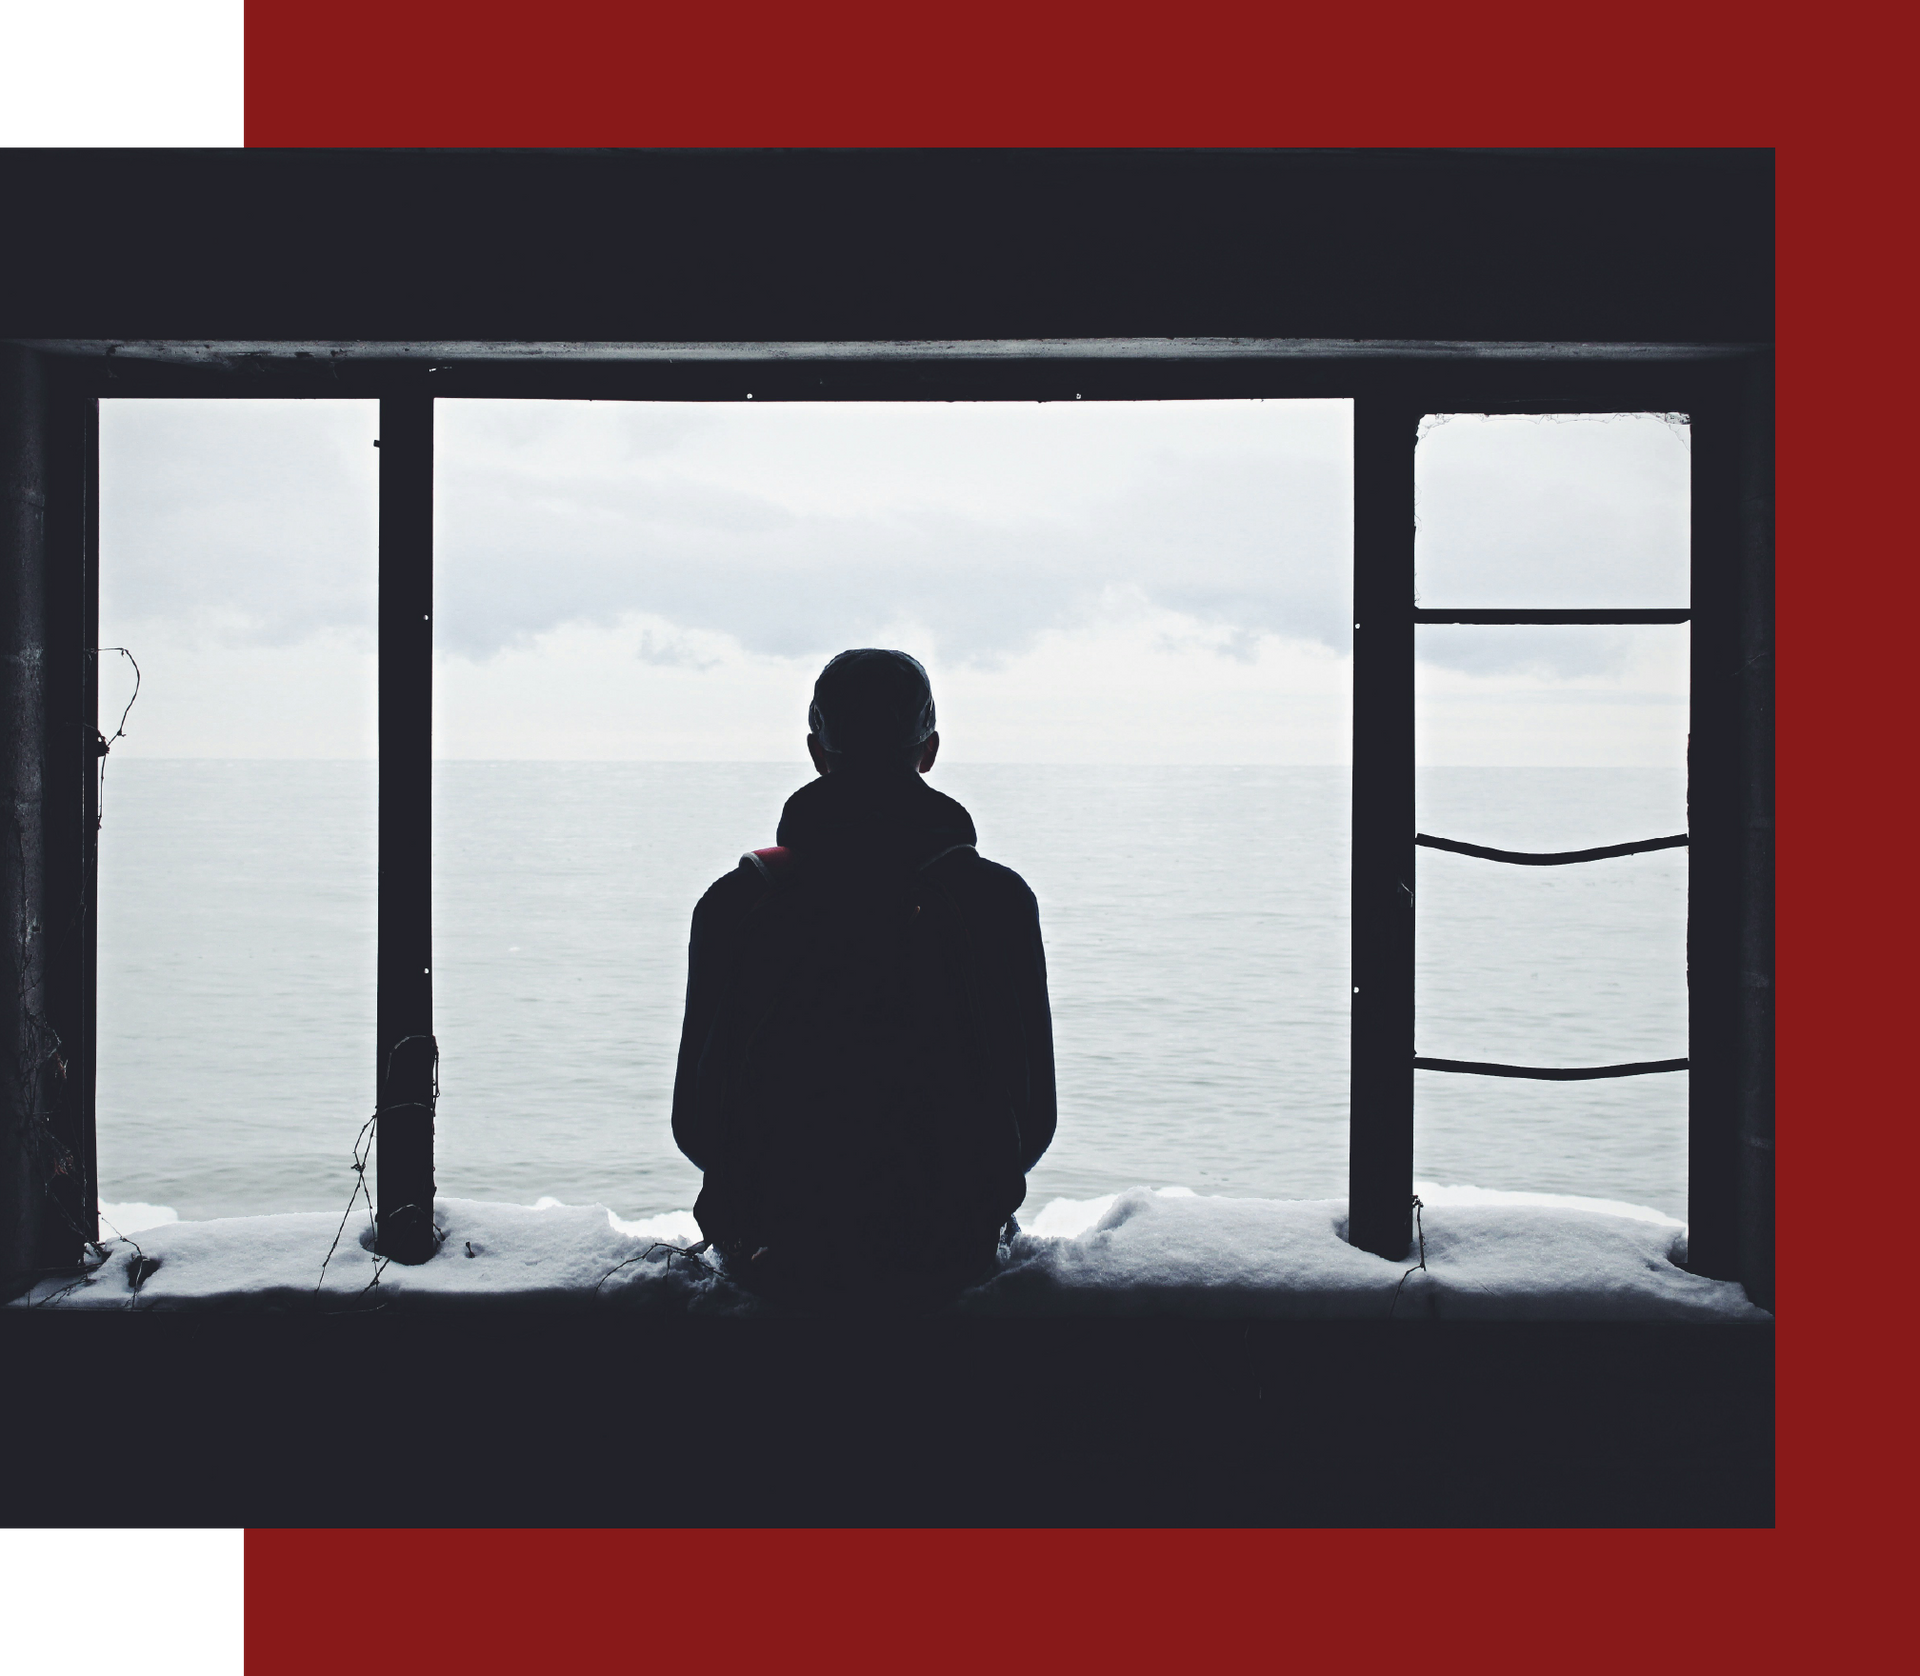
(672, 1252)
(1421, 1234)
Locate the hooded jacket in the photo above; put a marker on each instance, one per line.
(866, 1032)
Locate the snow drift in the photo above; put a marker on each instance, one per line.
(1489, 1256)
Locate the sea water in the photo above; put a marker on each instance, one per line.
(1197, 942)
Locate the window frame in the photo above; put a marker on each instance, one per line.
(1725, 389)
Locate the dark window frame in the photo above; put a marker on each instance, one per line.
(1725, 389)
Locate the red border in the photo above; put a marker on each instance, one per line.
(414, 72)
(1847, 597)
(1004, 73)
(977, 1601)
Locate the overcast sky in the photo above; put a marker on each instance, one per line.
(1157, 581)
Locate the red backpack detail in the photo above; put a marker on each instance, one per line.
(772, 863)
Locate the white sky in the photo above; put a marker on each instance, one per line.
(1155, 581)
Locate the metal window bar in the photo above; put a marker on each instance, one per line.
(1602, 615)
(1548, 1073)
(1551, 858)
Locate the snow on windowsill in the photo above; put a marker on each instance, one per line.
(1490, 1256)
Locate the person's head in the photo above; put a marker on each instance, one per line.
(872, 711)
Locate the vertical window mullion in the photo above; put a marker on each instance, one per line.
(406, 1064)
(1729, 816)
(81, 424)
(1380, 1144)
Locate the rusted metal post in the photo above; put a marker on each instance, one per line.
(29, 1232)
(1380, 1146)
(47, 1194)
(74, 748)
(405, 1067)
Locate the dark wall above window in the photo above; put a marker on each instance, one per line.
(1667, 246)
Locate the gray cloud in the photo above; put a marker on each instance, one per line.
(1205, 538)
(1567, 653)
(260, 518)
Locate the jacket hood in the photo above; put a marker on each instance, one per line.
(888, 820)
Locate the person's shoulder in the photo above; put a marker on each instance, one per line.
(734, 890)
(969, 870)
(1002, 876)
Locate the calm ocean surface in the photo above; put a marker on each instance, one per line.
(1196, 931)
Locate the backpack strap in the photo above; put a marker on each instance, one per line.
(943, 854)
(772, 864)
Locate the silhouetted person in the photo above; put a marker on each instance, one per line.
(866, 1065)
